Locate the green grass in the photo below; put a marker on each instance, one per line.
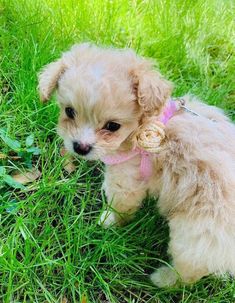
(51, 246)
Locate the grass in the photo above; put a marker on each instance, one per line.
(51, 247)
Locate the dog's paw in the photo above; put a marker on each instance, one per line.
(107, 219)
(164, 277)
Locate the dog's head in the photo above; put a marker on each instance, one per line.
(104, 95)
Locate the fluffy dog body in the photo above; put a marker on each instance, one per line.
(193, 173)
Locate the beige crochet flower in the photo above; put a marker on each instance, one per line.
(150, 136)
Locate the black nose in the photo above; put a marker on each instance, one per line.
(81, 149)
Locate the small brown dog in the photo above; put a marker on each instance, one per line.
(105, 96)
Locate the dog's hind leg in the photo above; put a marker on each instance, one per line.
(185, 269)
(184, 272)
(189, 247)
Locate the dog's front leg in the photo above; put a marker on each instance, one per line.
(124, 194)
(122, 208)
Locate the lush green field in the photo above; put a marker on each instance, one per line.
(51, 246)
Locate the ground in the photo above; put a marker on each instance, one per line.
(51, 246)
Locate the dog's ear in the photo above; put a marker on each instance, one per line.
(48, 79)
(150, 88)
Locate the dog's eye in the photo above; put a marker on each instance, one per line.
(112, 126)
(70, 112)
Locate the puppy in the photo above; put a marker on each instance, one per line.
(105, 96)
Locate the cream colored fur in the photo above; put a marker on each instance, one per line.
(194, 172)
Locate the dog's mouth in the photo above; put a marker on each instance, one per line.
(89, 157)
(92, 155)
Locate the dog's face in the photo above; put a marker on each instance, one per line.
(103, 96)
(97, 114)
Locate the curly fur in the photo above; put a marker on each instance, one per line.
(194, 172)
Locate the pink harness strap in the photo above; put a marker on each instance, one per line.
(145, 162)
(120, 158)
(168, 112)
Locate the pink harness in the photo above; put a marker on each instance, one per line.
(145, 162)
